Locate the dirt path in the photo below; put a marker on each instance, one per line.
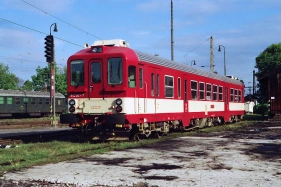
(250, 157)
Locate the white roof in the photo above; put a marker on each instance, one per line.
(115, 42)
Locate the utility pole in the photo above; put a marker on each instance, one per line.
(172, 32)
(211, 54)
(254, 82)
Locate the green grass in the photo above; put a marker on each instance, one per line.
(254, 117)
(27, 155)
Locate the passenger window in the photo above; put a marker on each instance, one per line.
(9, 100)
(1, 100)
(152, 83)
(194, 90)
(236, 96)
(215, 92)
(179, 87)
(169, 86)
(25, 100)
(220, 93)
(239, 95)
(17, 100)
(231, 95)
(33, 101)
(209, 92)
(47, 101)
(40, 101)
(132, 76)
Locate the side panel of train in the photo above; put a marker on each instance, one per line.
(35, 104)
(121, 89)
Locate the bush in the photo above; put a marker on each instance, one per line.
(261, 109)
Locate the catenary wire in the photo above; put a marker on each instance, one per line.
(60, 19)
(39, 32)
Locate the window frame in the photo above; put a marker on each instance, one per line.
(194, 90)
(157, 84)
(202, 92)
(179, 87)
(33, 101)
(9, 100)
(17, 100)
(73, 77)
(232, 95)
(220, 93)
(94, 73)
(169, 87)
(152, 84)
(215, 92)
(209, 92)
(132, 74)
(110, 68)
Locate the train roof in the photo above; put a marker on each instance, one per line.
(28, 93)
(145, 57)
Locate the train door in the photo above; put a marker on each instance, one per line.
(141, 90)
(96, 84)
(152, 90)
(185, 100)
(8, 101)
(226, 99)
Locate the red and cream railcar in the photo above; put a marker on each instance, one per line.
(119, 91)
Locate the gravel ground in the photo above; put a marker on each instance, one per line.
(251, 157)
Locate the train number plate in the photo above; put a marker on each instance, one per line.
(119, 125)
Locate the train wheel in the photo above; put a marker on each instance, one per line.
(138, 137)
(158, 134)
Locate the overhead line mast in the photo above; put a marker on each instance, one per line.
(172, 32)
(212, 54)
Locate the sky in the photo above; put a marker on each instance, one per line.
(244, 27)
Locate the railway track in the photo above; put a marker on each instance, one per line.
(14, 138)
(24, 124)
(9, 142)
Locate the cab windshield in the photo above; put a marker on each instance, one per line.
(77, 72)
(115, 71)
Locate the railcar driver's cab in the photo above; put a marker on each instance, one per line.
(97, 77)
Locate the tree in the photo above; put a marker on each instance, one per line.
(7, 80)
(27, 85)
(266, 62)
(41, 81)
(61, 81)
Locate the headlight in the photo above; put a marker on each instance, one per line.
(119, 108)
(71, 102)
(71, 109)
(118, 101)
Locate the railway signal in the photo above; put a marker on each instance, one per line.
(49, 52)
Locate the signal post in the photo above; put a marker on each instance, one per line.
(50, 58)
